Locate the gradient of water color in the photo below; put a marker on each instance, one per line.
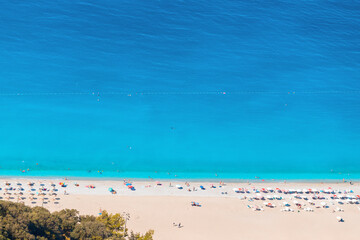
(237, 88)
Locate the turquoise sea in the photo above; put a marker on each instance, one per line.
(197, 89)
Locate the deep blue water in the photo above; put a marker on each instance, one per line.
(237, 88)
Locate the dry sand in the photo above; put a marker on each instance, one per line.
(219, 217)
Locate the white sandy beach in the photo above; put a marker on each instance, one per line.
(221, 216)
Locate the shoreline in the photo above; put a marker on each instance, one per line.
(182, 175)
(199, 180)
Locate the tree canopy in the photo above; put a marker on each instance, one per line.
(18, 221)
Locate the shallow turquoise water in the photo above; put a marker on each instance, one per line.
(236, 88)
(195, 176)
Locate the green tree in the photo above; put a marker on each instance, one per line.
(114, 222)
(44, 224)
(94, 230)
(68, 220)
(137, 236)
